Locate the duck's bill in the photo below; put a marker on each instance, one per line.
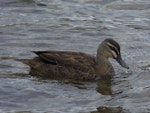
(122, 63)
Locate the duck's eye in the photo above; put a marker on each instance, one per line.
(113, 49)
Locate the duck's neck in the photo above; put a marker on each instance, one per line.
(101, 57)
(101, 60)
(104, 67)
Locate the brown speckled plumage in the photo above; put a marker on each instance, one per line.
(76, 65)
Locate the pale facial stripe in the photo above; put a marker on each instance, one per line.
(114, 49)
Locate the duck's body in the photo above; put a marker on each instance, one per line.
(76, 65)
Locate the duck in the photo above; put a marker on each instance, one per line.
(76, 65)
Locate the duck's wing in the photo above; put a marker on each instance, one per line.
(76, 60)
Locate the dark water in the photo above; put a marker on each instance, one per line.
(75, 25)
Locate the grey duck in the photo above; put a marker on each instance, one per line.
(76, 65)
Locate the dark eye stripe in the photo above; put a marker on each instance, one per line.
(113, 48)
(111, 42)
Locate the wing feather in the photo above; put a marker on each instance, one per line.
(76, 60)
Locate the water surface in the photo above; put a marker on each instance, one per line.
(77, 25)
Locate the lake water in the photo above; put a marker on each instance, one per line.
(74, 25)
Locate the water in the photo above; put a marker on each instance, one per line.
(77, 25)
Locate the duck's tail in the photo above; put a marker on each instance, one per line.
(25, 61)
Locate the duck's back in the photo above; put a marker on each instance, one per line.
(62, 64)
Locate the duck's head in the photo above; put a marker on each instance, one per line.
(109, 48)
